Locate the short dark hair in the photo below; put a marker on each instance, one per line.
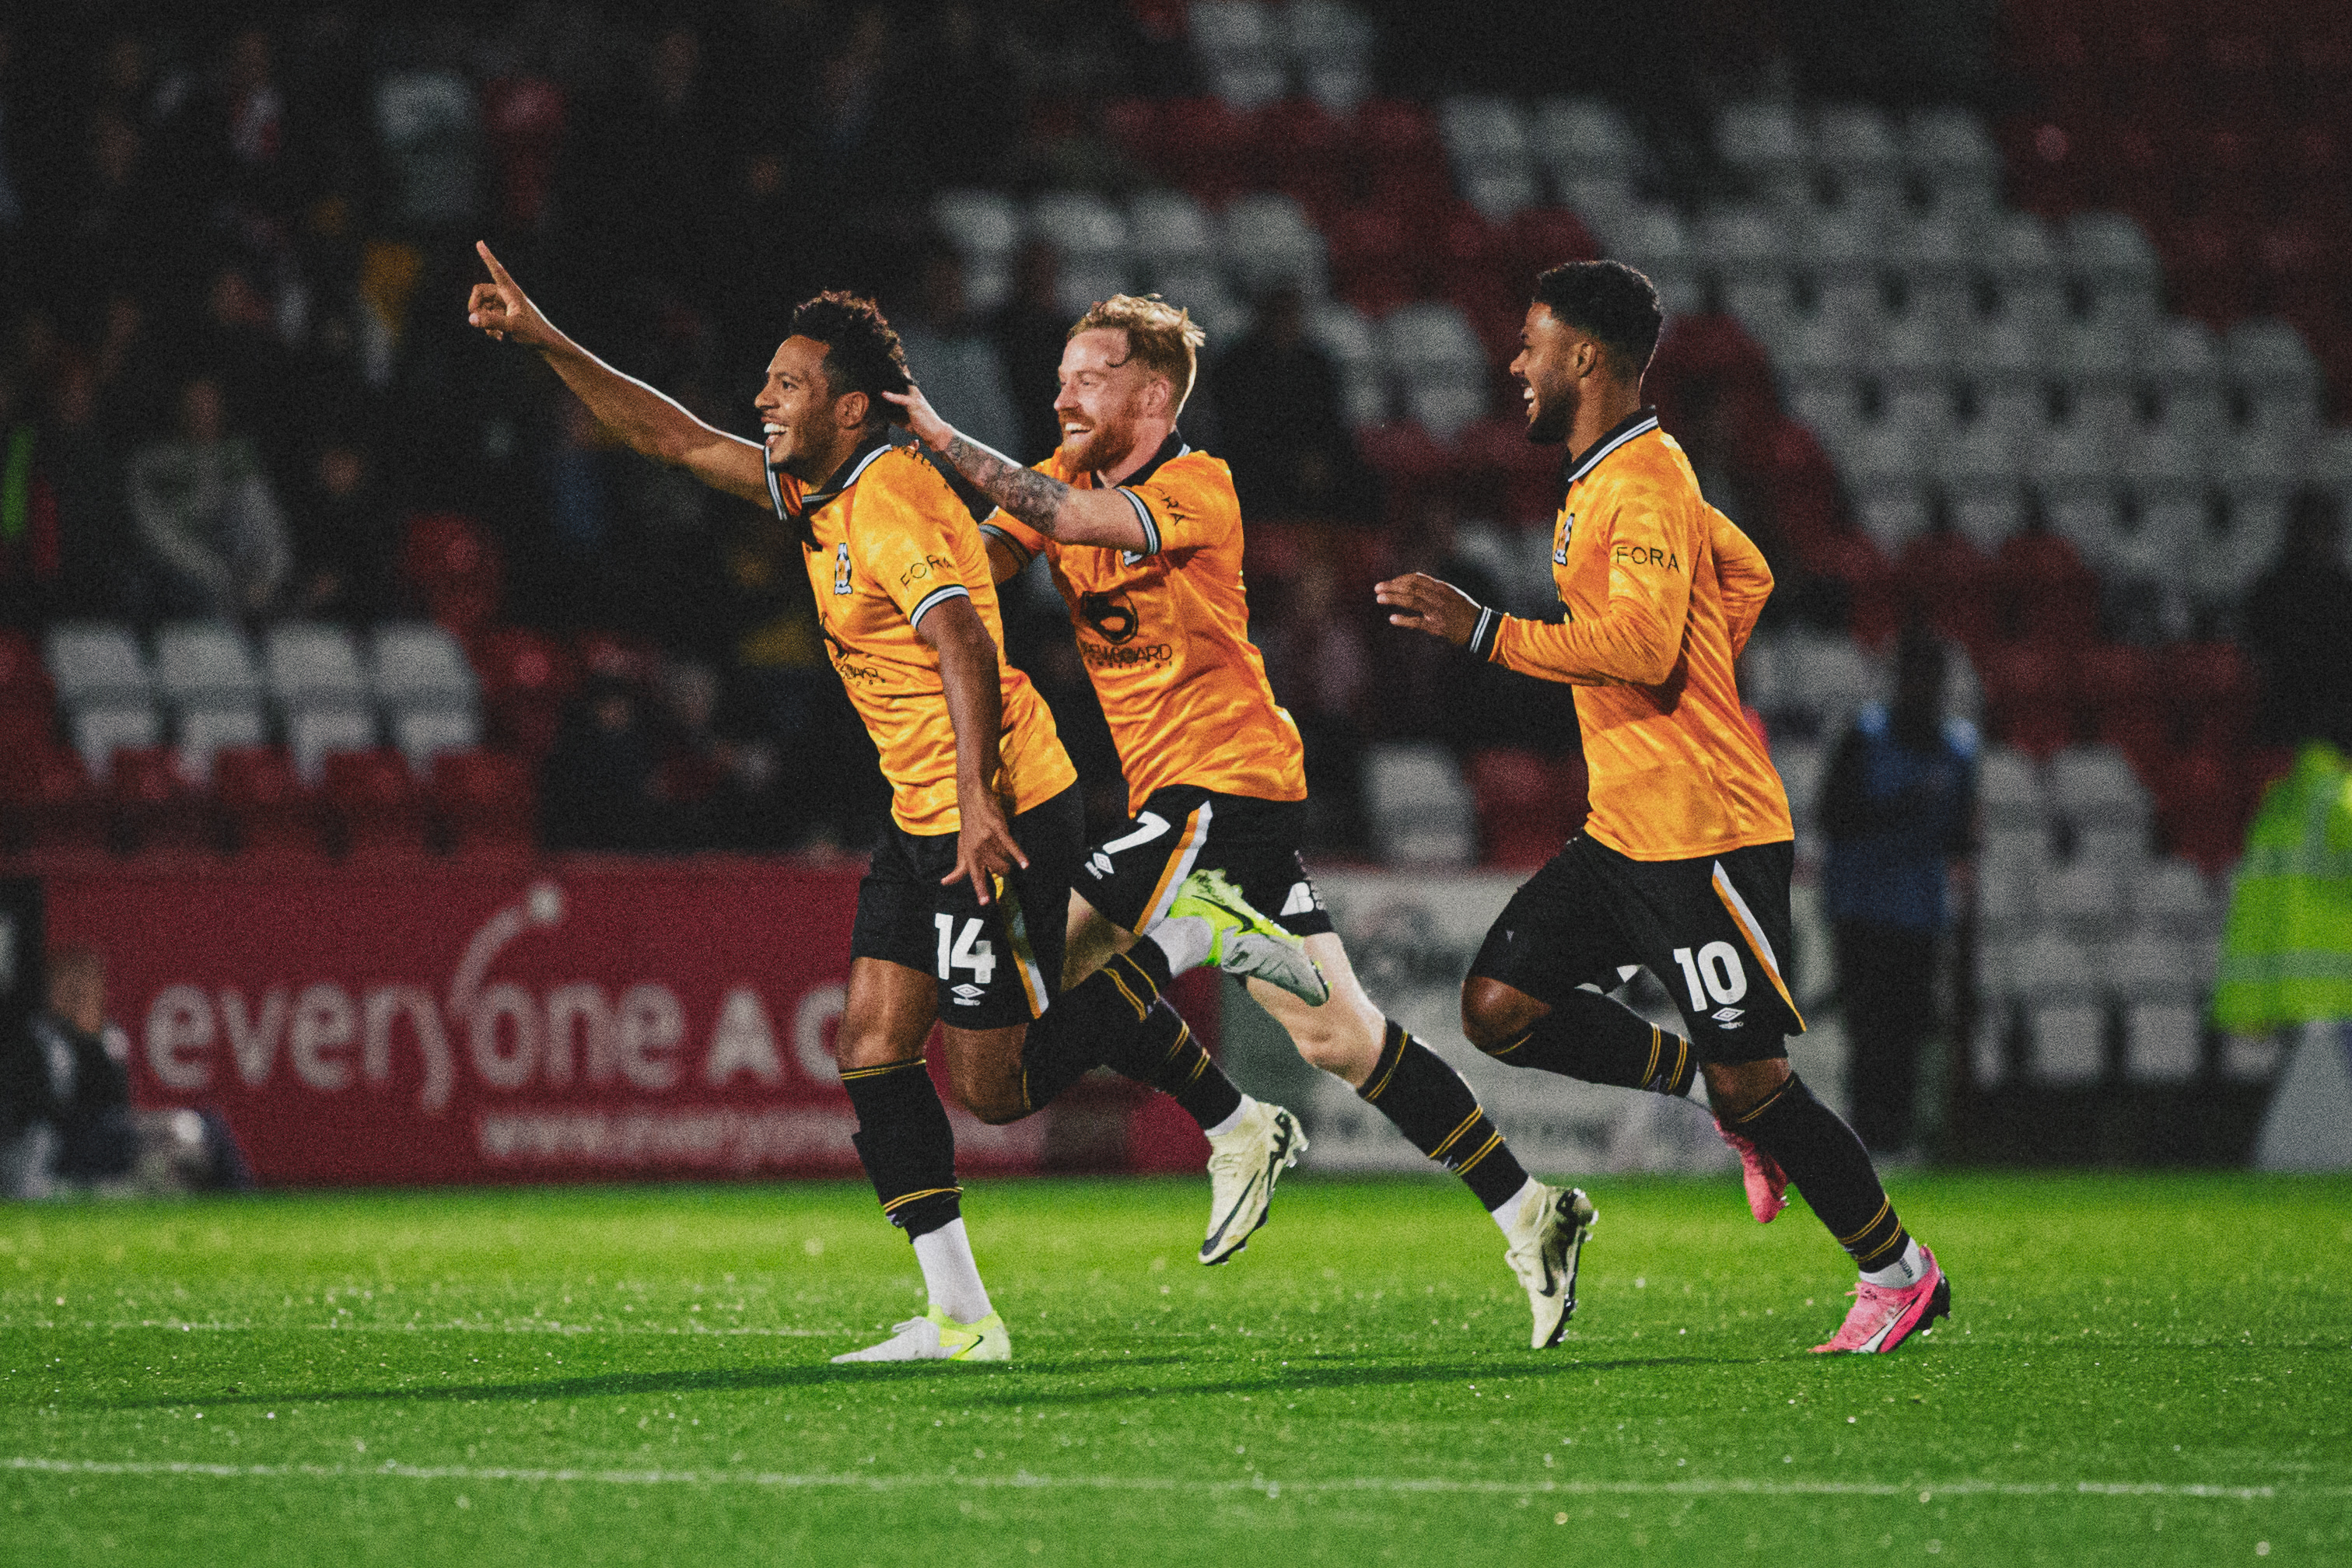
(862, 352)
(1610, 303)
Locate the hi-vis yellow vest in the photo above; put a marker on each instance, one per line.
(2287, 956)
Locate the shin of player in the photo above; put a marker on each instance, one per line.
(1143, 534)
(1682, 866)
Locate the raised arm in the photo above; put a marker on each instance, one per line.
(653, 424)
(972, 681)
(1057, 510)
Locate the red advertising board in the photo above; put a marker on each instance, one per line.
(590, 1019)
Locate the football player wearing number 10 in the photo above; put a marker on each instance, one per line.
(1682, 866)
(986, 824)
(1144, 536)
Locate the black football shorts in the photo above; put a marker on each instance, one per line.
(1132, 874)
(997, 963)
(1714, 930)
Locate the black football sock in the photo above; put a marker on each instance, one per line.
(1435, 1110)
(1117, 1018)
(1831, 1167)
(904, 1141)
(1598, 1039)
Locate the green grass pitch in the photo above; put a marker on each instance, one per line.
(2140, 1369)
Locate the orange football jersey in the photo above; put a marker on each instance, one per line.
(1165, 632)
(888, 543)
(1662, 591)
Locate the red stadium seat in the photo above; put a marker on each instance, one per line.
(1134, 125)
(270, 815)
(49, 806)
(486, 802)
(526, 676)
(1505, 475)
(1375, 265)
(1528, 806)
(2025, 696)
(151, 807)
(1209, 148)
(1305, 154)
(375, 804)
(1408, 461)
(453, 567)
(1543, 237)
(1947, 581)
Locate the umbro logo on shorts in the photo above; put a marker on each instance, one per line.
(1098, 865)
(1727, 1017)
(968, 995)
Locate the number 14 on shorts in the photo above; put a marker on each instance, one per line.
(1714, 973)
(968, 950)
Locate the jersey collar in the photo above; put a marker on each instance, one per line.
(1170, 450)
(1576, 465)
(853, 468)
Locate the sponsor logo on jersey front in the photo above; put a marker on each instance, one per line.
(841, 567)
(1100, 658)
(1112, 616)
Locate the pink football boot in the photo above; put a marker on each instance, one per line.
(1883, 1316)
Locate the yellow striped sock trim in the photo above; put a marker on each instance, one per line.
(1681, 1057)
(1111, 967)
(1884, 1207)
(1770, 1101)
(1488, 1147)
(1200, 1066)
(1467, 1123)
(877, 1072)
(1657, 1045)
(895, 1205)
(1869, 1260)
(1514, 1045)
(1183, 1038)
(1380, 1077)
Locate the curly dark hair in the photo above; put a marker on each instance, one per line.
(1611, 304)
(862, 352)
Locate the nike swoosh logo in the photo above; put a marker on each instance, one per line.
(1218, 1235)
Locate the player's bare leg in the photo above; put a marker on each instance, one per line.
(908, 1152)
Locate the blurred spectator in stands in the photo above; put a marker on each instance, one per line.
(951, 358)
(241, 350)
(1898, 808)
(2297, 624)
(253, 124)
(1425, 687)
(596, 788)
(1031, 332)
(346, 548)
(65, 1114)
(1320, 663)
(64, 535)
(1284, 427)
(215, 536)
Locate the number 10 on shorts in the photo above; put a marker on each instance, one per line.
(971, 950)
(1715, 972)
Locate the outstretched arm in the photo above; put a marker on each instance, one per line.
(653, 424)
(1059, 512)
(972, 681)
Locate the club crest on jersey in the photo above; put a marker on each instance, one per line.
(841, 567)
(1560, 551)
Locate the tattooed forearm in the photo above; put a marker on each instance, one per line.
(1035, 498)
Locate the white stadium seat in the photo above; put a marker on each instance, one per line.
(204, 730)
(100, 731)
(97, 662)
(204, 662)
(419, 664)
(313, 665)
(1420, 808)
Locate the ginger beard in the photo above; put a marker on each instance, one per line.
(1101, 403)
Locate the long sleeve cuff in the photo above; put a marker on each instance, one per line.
(1483, 636)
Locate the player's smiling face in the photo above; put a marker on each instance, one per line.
(800, 419)
(1104, 397)
(1550, 371)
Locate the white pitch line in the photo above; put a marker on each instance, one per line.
(1025, 1481)
(522, 1327)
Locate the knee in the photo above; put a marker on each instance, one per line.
(1345, 1052)
(989, 1096)
(1736, 1089)
(1494, 1014)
